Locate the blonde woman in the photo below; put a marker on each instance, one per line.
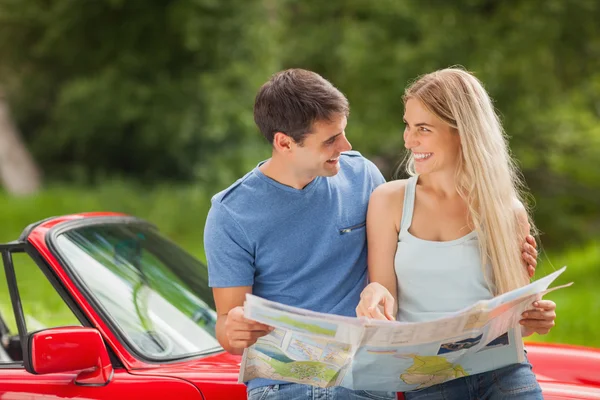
(450, 235)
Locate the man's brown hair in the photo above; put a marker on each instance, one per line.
(292, 100)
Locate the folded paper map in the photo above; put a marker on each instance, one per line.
(359, 353)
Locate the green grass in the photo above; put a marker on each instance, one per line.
(180, 212)
(578, 306)
(42, 305)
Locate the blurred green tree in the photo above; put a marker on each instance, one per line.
(540, 63)
(134, 88)
(164, 90)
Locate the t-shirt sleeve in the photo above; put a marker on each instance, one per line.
(376, 175)
(228, 252)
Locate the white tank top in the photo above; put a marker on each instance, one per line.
(436, 278)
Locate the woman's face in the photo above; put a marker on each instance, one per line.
(434, 144)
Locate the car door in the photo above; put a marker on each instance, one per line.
(32, 298)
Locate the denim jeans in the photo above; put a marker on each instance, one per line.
(294, 391)
(513, 382)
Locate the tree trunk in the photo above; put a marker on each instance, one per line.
(18, 172)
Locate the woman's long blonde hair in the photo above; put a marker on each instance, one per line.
(487, 178)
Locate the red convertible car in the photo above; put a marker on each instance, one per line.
(133, 318)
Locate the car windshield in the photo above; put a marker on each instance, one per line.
(152, 292)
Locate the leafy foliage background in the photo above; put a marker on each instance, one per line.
(162, 91)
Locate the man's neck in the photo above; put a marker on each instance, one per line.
(281, 172)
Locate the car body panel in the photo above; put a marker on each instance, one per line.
(213, 375)
(18, 384)
(566, 370)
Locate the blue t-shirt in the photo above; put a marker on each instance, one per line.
(305, 248)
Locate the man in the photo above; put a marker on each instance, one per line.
(292, 230)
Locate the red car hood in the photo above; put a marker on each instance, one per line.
(564, 372)
(213, 375)
(554, 390)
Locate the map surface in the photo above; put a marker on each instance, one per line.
(358, 353)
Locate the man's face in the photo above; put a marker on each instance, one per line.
(319, 155)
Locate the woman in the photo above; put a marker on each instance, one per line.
(450, 235)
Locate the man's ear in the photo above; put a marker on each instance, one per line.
(282, 142)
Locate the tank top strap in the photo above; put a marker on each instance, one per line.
(409, 203)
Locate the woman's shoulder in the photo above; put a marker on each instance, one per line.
(390, 191)
(386, 203)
